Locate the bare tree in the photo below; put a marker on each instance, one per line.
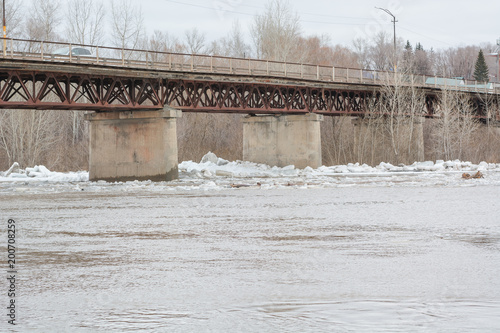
(233, 45)
(195, 41)
(199, 133)
(236, 42)
(13, 18)
(164, 42)
(392, 130)
(316, 49)
(406, 109)
(378, 53)
(337, 140)
(361, 49)
(43, 20)
(344, 57)
(320, 52)
(382, 52)
(160, 43)
(454, 126)
(127, 24)
(85, 21)
(457, 62)
(218, 48)
(276, 33)
(422, 62)
(26, 136)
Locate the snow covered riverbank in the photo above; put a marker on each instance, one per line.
(214, 173)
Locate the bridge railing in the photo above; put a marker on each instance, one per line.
(132, 58)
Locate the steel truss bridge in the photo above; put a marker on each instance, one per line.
(33, 77)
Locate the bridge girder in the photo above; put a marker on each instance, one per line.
(49, 90)
(37, 89)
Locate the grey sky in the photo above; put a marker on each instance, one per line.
(437, 24)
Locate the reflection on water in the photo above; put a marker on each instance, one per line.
(288, 260)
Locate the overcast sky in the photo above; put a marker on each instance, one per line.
(437, 24)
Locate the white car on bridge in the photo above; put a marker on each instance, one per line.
(75, 51)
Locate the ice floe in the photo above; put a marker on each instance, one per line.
(213, 173)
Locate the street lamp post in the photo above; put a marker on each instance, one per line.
(394, 22)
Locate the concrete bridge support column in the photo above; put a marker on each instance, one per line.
(389, 140)
(134, 145)
(283, 140)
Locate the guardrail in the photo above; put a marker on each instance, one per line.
(146, 59)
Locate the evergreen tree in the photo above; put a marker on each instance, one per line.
(407, 57)
(481, 70)
(408, 47)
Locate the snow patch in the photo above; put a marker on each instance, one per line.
(209, 158)
(13, 169)
(41, 173)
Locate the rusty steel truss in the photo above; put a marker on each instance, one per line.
(260, 98)
(25, 89)
(39, 90)
(45, 90)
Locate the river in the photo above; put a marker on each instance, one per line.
(346, 259)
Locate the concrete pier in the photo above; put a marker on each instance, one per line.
(283, 140)
(134, 145)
